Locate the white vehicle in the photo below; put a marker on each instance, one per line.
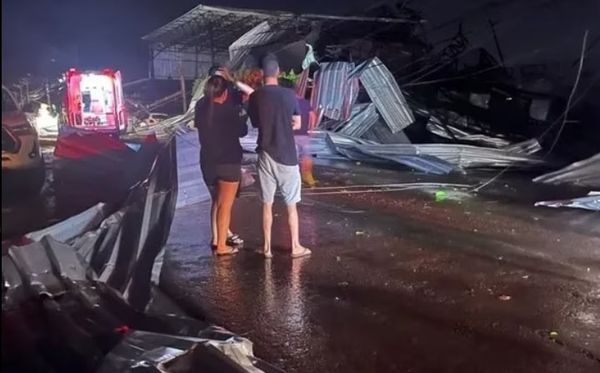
(22, 162)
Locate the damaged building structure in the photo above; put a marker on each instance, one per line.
(382, 92)
(384, 96)
(189, 45)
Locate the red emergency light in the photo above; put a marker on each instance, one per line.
(94, 101)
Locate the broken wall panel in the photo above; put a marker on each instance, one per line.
(382, 88)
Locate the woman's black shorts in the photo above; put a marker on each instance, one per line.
(230, 173)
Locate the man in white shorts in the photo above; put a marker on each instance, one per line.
(274, 111)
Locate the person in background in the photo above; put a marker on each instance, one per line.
(237, 93)
(302, 136)
(274, 110)
(220, 124)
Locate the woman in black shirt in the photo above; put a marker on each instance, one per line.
(220, 124)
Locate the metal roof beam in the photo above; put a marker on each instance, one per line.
(202, 14)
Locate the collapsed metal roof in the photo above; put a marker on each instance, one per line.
(218, 27)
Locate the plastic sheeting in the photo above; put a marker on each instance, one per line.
(69, 303)
(123, 248)
(213, 350)
(74, 226)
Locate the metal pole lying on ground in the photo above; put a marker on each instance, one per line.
(183, 98)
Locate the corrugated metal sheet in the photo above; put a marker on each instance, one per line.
(259, 35)
(380, 133)
(525, 147)
(590, 202)
(582, 173)
(436, 127)
(171, 64)
(385, 93)
(463, 156)
(424, 163)
(335, 92)
(302, 84)
(439, 158)
(362, 118)
(358, 150)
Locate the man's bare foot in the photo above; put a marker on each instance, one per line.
(300, 251)
(265, 252)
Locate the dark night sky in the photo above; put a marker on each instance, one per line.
(44, 37)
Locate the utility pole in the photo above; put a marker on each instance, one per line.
(48, 94)
(500, 54)
(26, 90)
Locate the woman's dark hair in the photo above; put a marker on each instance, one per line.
(214, 87)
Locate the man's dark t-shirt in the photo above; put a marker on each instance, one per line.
(305, 110)
(271, 109)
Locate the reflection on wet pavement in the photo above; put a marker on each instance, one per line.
(400, 282)
(73, 187)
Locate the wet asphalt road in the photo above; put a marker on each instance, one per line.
(401, 283)
(68, 191)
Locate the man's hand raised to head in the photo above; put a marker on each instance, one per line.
(224, 72)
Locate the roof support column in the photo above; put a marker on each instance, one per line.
(211, 37)
(151, 63)
(196, 51)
